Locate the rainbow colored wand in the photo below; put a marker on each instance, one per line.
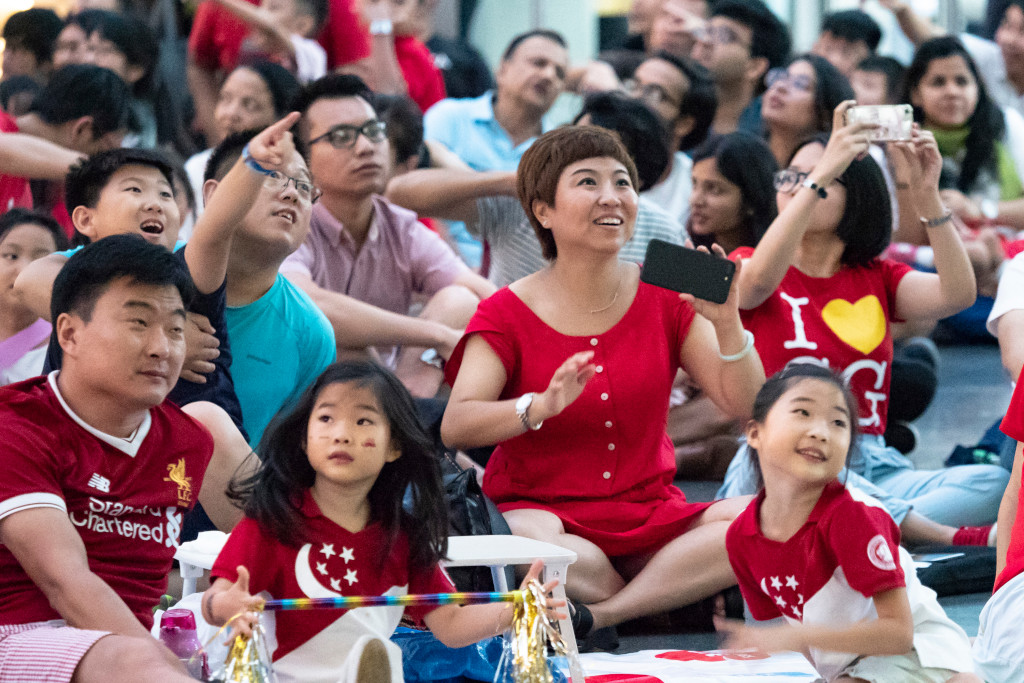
(424, 600)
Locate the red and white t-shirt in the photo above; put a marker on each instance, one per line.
(1013, 427)
(334, 562)
(828, 571)
(840, 321)
(217, 35)
(124, 496)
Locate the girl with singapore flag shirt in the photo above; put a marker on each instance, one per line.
(828, 559)
(324, 517)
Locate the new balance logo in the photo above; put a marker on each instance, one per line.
(100, 483)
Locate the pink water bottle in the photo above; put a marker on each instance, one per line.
(178, 633)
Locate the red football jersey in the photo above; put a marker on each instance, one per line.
(124, 496)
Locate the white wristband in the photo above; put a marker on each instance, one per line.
(742, 353)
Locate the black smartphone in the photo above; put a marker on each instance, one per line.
(680, 269)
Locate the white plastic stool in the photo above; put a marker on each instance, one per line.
(497, 552)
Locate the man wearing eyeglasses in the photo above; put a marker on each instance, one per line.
(741, 41)
(280, 340)
(366, 260)
(681, 92)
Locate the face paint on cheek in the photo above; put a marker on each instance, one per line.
(369, 443)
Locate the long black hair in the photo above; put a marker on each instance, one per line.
(745, 161)
(986, 123)
(781, 382)
(866, 225)
(273, 495)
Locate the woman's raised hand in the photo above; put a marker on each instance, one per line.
(565, 387)
(717, 313)
(846, 143)
(921, 158)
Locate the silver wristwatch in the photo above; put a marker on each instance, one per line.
(523, 404)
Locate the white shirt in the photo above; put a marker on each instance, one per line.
(673, 193)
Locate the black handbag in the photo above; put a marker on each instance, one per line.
(471, 513)
(968, 569)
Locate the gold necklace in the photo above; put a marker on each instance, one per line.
(614, 298)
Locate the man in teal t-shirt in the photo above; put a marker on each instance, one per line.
(280, 340)
(281, 343)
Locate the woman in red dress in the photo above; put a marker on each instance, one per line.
(569, 371)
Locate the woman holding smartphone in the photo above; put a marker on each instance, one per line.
(815, 290)
(568, 371)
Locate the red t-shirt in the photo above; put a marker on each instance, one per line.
(826, 573)
(1013, 426)
(125, 497)
(217, 36)
(840, 321)
(15, 191)
(422, 77)
(335, 562)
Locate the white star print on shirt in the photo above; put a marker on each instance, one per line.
(322, 568)
(328, 550)
(776, 584)
(347, 554)
(336, 585)
(350, 576)
(792, 582)
(780, 601)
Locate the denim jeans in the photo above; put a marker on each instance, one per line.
(965, 495)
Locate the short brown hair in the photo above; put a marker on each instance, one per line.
(542, 165)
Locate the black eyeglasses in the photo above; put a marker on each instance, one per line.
(344, 136)
(648, 92)
(720, 35)
(780, 76)
(788, 180)
(278, 181)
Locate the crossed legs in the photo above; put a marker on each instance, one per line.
(690, 567)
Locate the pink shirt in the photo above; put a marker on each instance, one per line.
(399, 258)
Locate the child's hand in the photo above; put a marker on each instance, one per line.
(273, 147)
(552, 605)
(234, 602)
(738, 636)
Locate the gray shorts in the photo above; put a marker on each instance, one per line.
(896, 668)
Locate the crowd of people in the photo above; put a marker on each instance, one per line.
(263, 265)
